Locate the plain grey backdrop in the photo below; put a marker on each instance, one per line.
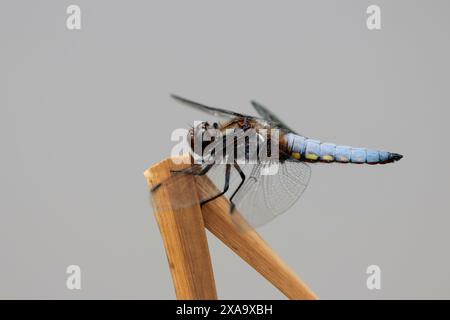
(84, 113)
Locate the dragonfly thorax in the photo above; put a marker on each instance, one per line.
(237, 140)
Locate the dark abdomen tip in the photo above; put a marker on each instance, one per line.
(394, 157)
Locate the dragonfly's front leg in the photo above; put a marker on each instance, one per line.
(190, 171)
(187, 170)
(225, 188)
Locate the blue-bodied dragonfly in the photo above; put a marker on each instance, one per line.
(258, 196)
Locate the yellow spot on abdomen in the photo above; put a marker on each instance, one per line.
(343, 159)
(296, 155)
(311, 156)
(327, 158)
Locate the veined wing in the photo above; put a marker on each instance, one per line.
(268, 115)
(265, 193)
(264, 197)
(217, 112)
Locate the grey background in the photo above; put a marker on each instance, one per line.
(84, 113)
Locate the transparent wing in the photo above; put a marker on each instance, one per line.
(268, 115)
(265, 196)
(217, 112)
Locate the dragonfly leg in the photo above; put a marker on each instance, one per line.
(232, 205)
(204, 170)
(186, 171)
(189, 170)
(225, 188)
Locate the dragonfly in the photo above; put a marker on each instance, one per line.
(259, 197)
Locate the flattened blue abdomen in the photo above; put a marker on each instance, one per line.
(342, 153)
(302, 148)
(358, 155)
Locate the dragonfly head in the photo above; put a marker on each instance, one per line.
(201, 135)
